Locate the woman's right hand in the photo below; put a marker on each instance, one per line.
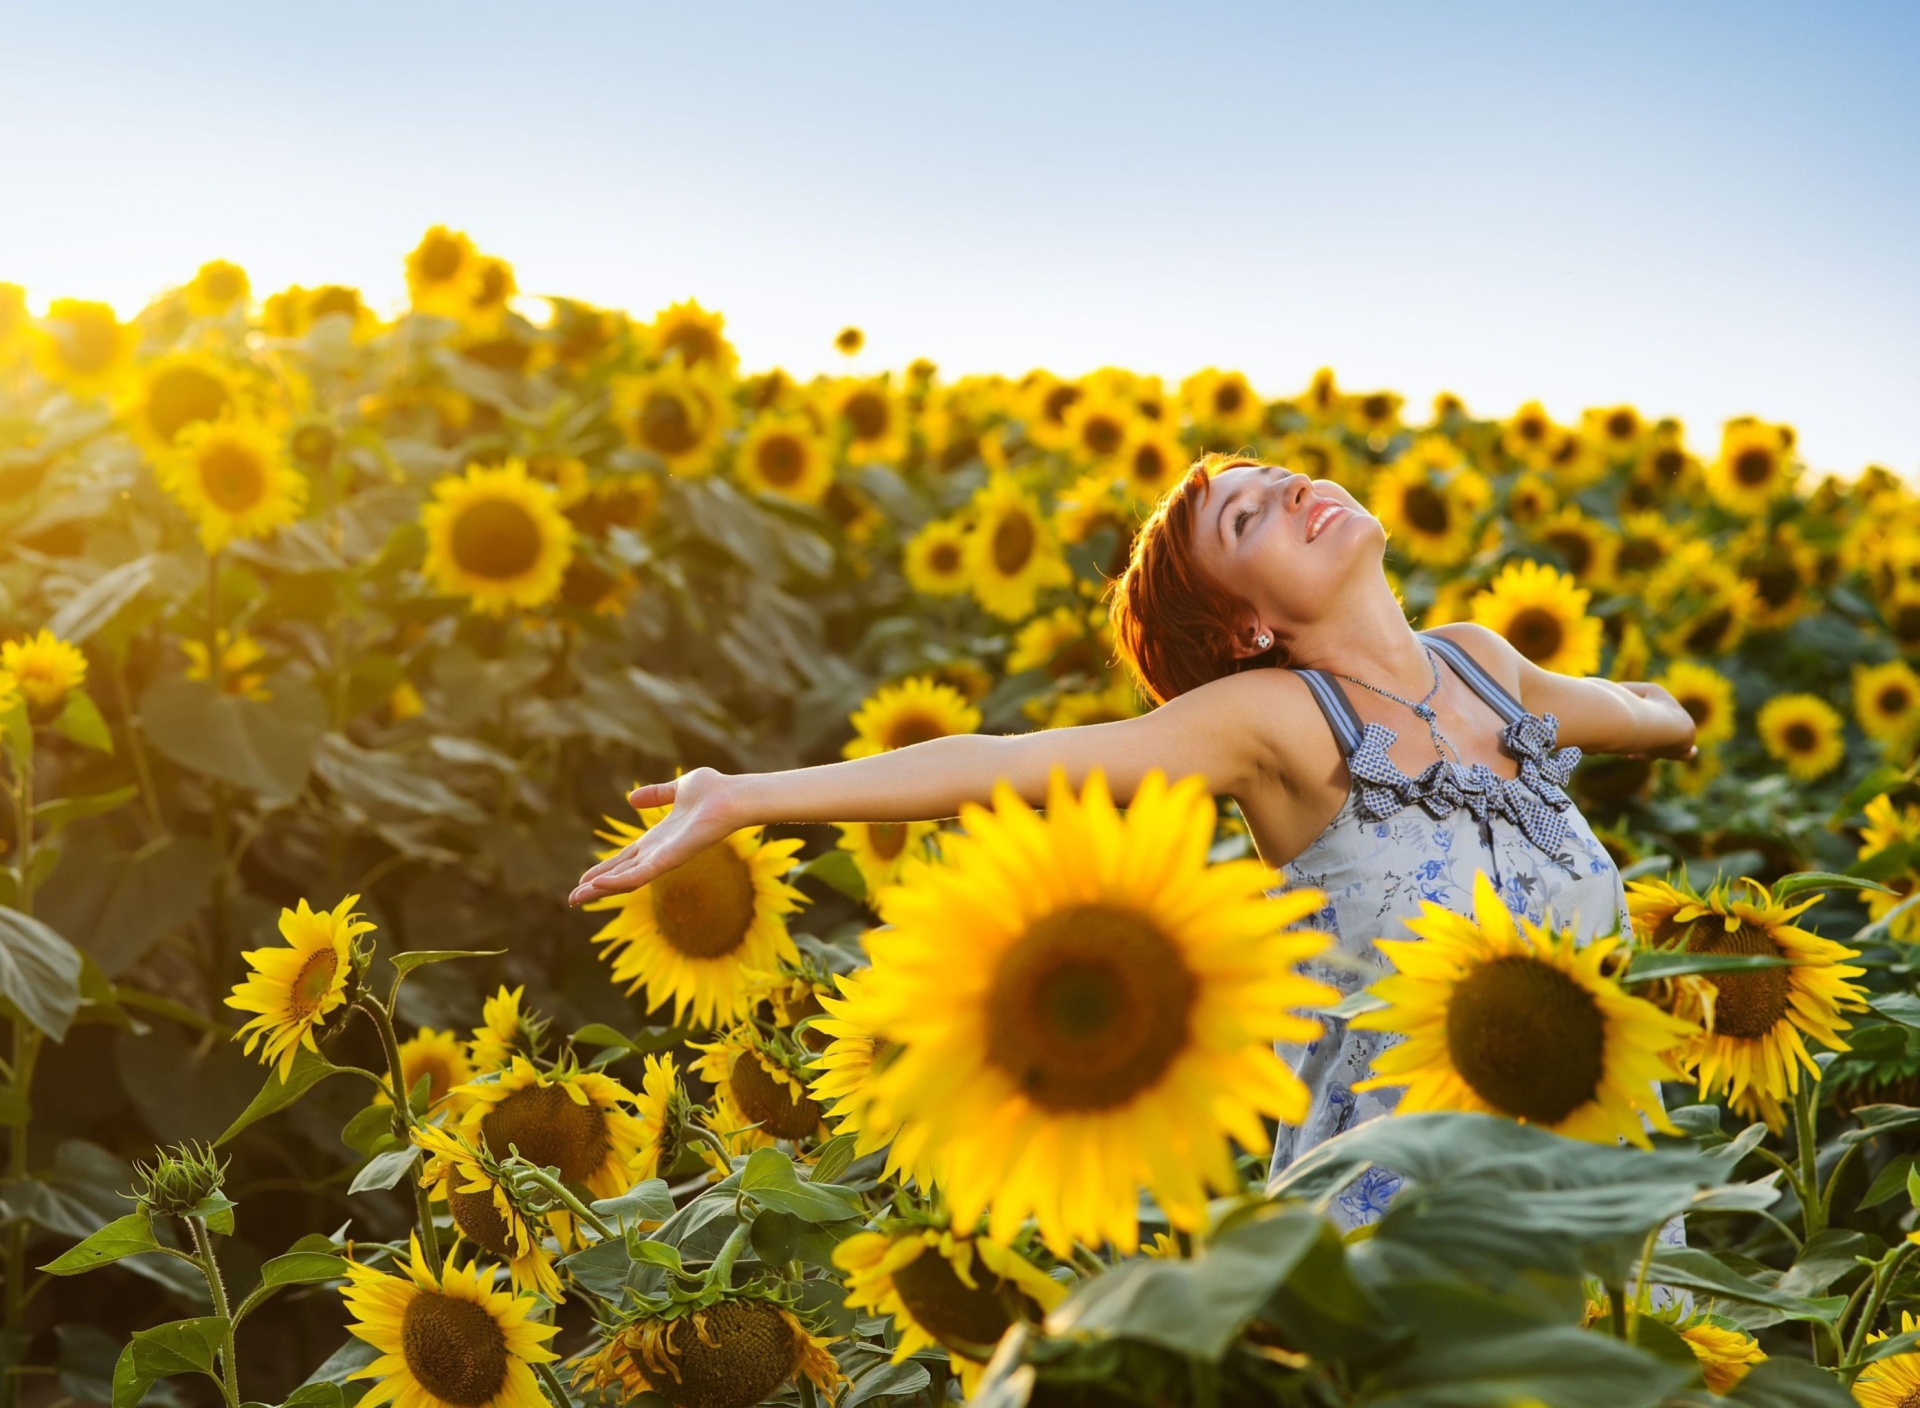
(700, 818)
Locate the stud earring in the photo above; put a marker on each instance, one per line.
(1263, 640)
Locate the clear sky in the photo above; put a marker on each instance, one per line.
(1705, 209)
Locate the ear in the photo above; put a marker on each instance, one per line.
(1252, 639)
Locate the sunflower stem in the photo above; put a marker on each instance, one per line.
(1812, 1206)
(1883, 1277)
(1617, 1310)
(137, 750)
(403, 1120)
(559, 1190)
(721, 1272)
(1640, 1285)
(26, 1048)
(217, 1287)
(550, 1381)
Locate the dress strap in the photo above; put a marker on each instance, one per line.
(1483, 684)
(1342, 717)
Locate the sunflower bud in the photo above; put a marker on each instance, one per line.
(179, 1181)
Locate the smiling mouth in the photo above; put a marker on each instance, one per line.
(1321, 516)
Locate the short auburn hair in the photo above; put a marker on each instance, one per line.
(1174, 624)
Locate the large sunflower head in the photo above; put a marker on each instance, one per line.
(1886, 701)
(218, 286)
(765, 1082)
(439, 1058)
(693, 935)
(1543, 613)
(961, 1293)
(1011, 553)
(1084, 1005)
(1508, 1017)
(732, 1351)
(843, 1074)
(467, 1181)
(497, 538)
(936, 558)
(912, 711)
(1804, 732)
(506, 1032)
(574, 1120)
(443, 273)
(675, 414)
(1892, 1381)
(450, 1342)
(170, 393)
(1429, 501)
(83, 346)
(234, 478)
(783, 456)
(1706, 695)
(1755, 466)
(291, 990)
(695, 338)
(881, 848)
(44, 668)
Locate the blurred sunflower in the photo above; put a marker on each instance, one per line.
(1706, 605)
(694, 337)
(455, 1173)
(1664, 469)
(170, 393)
(15, 323)
(1429, 500)
(443, 271)
(1318, 456)
(691, 936)
(1076, 708)
(1885, 830)
(1892, 1381)
(1755, 466)
(1530, 499)
(574, 1120)
(782, 456)
(497, 538)
(881, 848)
(1011, 555)
(1152, 461)
(1575, 460)
(849, 340)
(1063, 985)
(217, 287)
(737, 1350)
(1886, 702)
(1062, 642)
(446, 1341)
(1804, 732)
(1321, 400)
(871, 418)
(1371, 414)
(505, 1032)
(1514, 1018)
(566, 475)
(44, 668)
(676, 415)
(239, 653)
(1529, 436)
(1782, 567)
(1540, 610)
(765, 1082)
(83, 347)
(1043, 402)
(1100, 424)
(494, 287)
(842, 1074)
(295, 311)
(1706, 695)
(440, 1058)
(936, 558)
(291, 990)
(1223, 402)
(234, 478)
(1646, 540)
(1615, 431)
(1585, 546)
(1094, 503)
(912, 711)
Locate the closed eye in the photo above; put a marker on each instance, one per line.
(1240, 520)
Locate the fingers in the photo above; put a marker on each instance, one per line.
(635, 872)
(619, 857)
(654, 794)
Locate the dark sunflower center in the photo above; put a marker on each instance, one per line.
(704, 908)
(1623, 425)
(781, 460)
(495, 538)
(311, 984)
(1749, 1005)
(1375, 408)
(87, 341)
(1536, 633)
(1778, 583)
(232, 476)
(1428, 510)
(1102, 435)
(945, 558)
(768, 1102)
(1228, 398)
(736, 1355)
(866, 413)
(440, 259)
(1639, 554)
(1013, 541)
(477, 1217)
(332, 298)
(909, 729)
(549, 1130)
(454, 1348)
(888, 838)
(1894, 699)
(433, 1066)
(1054, 408)
(1799, 737)
(1527, 1038)
(313, 444)
(1089, 1008)
(180, 396)
(1708, 635)
(1150, 467)
(493, 286)
(966, 1319)
(1313, 460)
(666, 424)
(1669, 463)
(693, 342)
(1575, 549)
(1699, 708)
(1753, 467)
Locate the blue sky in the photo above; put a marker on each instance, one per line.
(1703, 209)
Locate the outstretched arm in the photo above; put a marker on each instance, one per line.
(1219, 731)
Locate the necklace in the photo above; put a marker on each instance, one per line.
(1423, 710)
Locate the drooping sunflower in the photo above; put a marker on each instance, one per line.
(871, 419)
(1508, 1017)
(1585, 546)
(961, 1293)
(439, 1057)
(505, 1032)
(1750, 1028)
(1224, 402)
(1085, 1006)
(1429, 501)
(83, 346)
(443, 273)
(912, 711)
(233, 476)
(291, 990)
(497, 538)
(679, 416)
(1544, 614)
(936, 558)
(692, 935)
(732, 1351)
(1804, 732)
(1886, 702)
(1011, 555)
(455, 1173)
(881, 848)
(173, 392)
(764, 1080)
(1706, 695)
(1153, 461)
(1886, 828)
(1893, 1381)
(239, 653)
(44, 668)
(1755, 466)
(687, 333)
(784, 457)
(574, 1120)
(446, 1342)
(216, 287)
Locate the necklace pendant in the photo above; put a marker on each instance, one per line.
(1425, 711)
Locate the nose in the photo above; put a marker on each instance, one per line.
(1295, 490)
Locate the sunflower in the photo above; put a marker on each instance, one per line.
(218, 286)
(234, 478)
(569, 1119)
(83, 347)
(1079, 707)
(1585, 546)
(456, 1173)
(1010, 553)
(505, 1032)
(1091, 504)
(443, 273)
(1726, 1352)
(880, 848)
(239, 653)
(493, 288)
(293, 989)
(843, 1077)
(1508, 1017)
(1321, 401)
(440, 1057)
(1755, 466)
(936, 558)
(1706, 695)
(848, 341)
(1429, 500)
(732, 1352)
(454, 1342)
(1750, 1027)
(1646, 540)
(1664, 469)
(1804, 732)
(692, 935)
(782, 456)
(1540, 610)
(912, 711)
(764, 1081)
(1782, 567)
(44, 668)
(1222, 401)
(1894, 1381)
(173, 392)
(15, 321)
(1529, 436)
(1529, 499)
(1062, 642)
(1707, 605)
(690, 335)
(675, 414)
(1371, 414)
(1044, 402)
(1100, 424)
(1152, 461)
(496, 537)
(1616, 431)
(1886, 702)
(295, 311)
(872, 420)
(661, 1109)
(1085, 1005)
(1886, 828)
(961, 1293)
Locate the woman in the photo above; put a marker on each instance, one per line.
(1253, 597)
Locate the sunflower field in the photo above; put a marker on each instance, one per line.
(333, 641)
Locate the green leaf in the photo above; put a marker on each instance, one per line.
(886, 1380)
(129, 1387)
(384, 1170)
(1691, 1269)
(266, 747)
(654, 1253)
(1650, 964)
(62, 812)
(770, 1177)
(837, 869)
(1879, 1119)
(1790, 885)
(832, 1157)
(1901, 1007)
(309, 1069)
(1783, 1382)
(216, 1210)
(321, 1395)
(126, 1236)
(117, 904)
(39, 972)
(179, 1347)
(410, 959)
(647, 1201)
(385, 782)
(1828, 1257)
(370, 1132)
(1556, 1364)
(1891, 1182)
(97, 603)
(648, 1043)
(294, 1268)
(81, 722)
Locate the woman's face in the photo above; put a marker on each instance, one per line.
(1286, 544)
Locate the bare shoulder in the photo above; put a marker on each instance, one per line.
(1273, 709)
(1492, 651)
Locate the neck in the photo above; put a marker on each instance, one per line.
(1368, 637)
